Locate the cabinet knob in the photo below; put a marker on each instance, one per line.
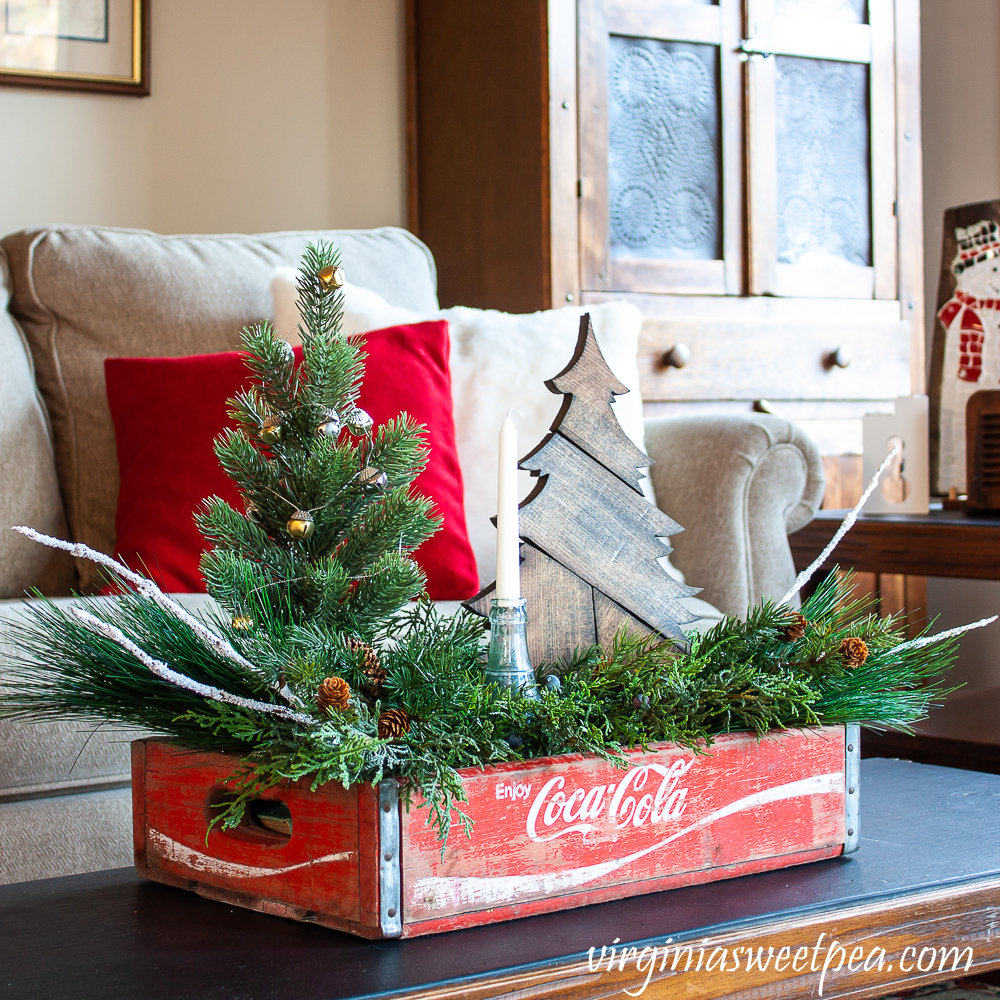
(840, 358)
(677, 357)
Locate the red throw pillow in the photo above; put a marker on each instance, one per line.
(168, 411)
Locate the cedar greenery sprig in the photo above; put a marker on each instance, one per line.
(740, 675)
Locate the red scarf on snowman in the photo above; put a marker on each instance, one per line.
(970, 331)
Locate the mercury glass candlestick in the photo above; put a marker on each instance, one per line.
(508, 662)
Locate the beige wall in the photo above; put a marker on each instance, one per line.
(264, 115)
(961, 133)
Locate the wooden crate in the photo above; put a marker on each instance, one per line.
(550, 834)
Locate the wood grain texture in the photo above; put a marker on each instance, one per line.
(482, 132)
(560, 607)
(586, 418)
(568, 831)
(563, 109)
(940, 919)
(756, 365)
(316, 869)
(942, 543)
(549, 834)
(982, 419)
(610, 617)
(139, 803)
(604, 532)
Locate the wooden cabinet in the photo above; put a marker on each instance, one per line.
(746, 171)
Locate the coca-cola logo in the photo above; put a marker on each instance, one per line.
(556, 812)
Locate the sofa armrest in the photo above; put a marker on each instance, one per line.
(739, 485)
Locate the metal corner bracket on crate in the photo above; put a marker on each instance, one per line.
(549, 834)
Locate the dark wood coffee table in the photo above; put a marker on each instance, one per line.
(927, 878)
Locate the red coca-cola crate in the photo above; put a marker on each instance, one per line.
(549, 834)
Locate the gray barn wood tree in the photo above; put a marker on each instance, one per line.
(591, 540)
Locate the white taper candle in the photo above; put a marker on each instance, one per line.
(508, 555)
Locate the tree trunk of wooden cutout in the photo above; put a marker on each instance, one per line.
(594, 540)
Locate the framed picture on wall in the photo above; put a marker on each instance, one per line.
(100, 46)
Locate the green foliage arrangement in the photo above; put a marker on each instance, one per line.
(334, 601)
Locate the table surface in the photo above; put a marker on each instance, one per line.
(941, 543)
(109, 935)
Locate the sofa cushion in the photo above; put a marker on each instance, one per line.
(27, 469)
(65, 755)
(83, 294)
(168, 411)
(43, 838)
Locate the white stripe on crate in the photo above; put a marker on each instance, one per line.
(180, 854)
(458, 892)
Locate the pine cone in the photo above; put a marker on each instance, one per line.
(854, 651)
(392, 724)
(370, 665)
(334, 692)
(796, 630)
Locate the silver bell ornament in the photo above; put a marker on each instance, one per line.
(253, 513)
(358, 422)
(301, 524)
(372, 478)
(329, 426)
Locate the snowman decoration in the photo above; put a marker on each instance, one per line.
(971, 318)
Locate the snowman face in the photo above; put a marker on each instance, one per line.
(982, 280)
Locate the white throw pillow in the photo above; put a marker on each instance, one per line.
(500, 361)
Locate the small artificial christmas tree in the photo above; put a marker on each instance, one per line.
(329, 521)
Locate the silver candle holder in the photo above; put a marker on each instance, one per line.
(508, 662)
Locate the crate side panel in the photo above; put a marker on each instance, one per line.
(493, 915)
(316, 869)
(575, 825)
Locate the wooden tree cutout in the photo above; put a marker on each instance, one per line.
(590, 539)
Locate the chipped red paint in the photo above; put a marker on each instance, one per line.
(549, 834)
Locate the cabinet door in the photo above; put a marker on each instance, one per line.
(732, 148)
(821, 148)
(660, 106)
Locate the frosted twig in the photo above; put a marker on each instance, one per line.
(161, 670)
(147, 588)
(926, 640)
(807, 574)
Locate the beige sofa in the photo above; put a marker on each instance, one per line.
(76, 295)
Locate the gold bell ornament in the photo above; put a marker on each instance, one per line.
(242, 623)
(330, 425)
(272, 430)
(331, 277)
(301, 524)
(358, 422)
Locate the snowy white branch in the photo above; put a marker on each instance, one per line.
(166, 673)
(807, 574)
(926, 640)
(147, 588)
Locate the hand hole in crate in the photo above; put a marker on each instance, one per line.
(266, 822)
